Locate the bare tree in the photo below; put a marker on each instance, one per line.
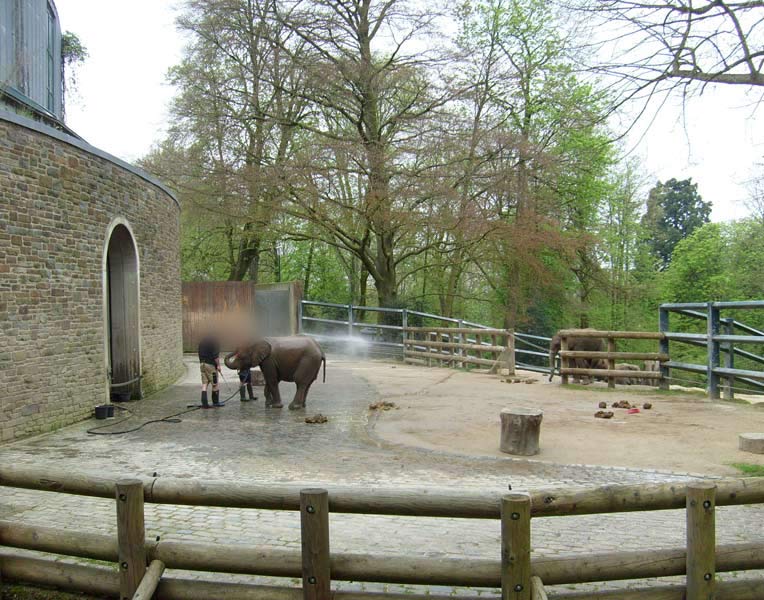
(667, 43)
(373, 92)
(235, 127)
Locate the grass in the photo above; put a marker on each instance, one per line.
(28, 592)
(749, 469)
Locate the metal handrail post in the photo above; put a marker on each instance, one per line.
(713, 346)
(663, 327)
(350, 320)
(729, 360)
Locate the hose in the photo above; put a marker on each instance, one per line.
(168, 419)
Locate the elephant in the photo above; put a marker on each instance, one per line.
(293, 358)
(580, 344)
(627, 380)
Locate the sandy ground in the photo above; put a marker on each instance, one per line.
(456, 411)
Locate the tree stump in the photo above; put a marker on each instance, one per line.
(520, 430)
(752, 442)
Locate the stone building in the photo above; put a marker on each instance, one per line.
(90, 292)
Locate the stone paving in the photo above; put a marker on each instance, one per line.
(244, 441)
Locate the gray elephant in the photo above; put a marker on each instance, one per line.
(627, 380)
(295, 358)
(578, 344)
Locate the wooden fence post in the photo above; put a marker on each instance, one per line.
(701, 541)
(564, 362)
(314, 518)
(510, 366)
(131, 536)
(516, 547)
(462, 341)
(610, 362)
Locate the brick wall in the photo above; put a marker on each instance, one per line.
(57, 202)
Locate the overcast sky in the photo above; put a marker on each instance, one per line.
(122, 100)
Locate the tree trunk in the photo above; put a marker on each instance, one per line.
(247, 260)
(308, 269)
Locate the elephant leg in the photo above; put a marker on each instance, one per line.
(268, 396)
(275, 396)
(300, 396)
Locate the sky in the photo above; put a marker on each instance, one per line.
(122, 102)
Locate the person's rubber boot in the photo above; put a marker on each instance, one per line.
(242, 396)
(205, 404)
(216, 398)
(249, 391)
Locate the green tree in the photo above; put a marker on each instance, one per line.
(73, 54)
(699, 271)
(674, 210)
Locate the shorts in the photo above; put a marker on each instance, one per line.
(209, 373)
(245, 376)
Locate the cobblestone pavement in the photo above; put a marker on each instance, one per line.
(244, 441)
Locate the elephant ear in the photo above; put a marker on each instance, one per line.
(260, 351)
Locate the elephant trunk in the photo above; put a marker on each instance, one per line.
(228, 362)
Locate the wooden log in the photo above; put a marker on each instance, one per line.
(618, 355)
(104, 582)
(465, 359)
(516, 547)
(466, 330)
(150, 581)
(537, 589)
(749, 589)
(415, 501)
(701, 541)
(611, 373)
(59, 541)
(751, 442)
(130, 536)
(52, 572)
(564, 362)
(520, 431)
(611, 363)
(314, 519)
(452, 345)
(275, 562)
(627, 335)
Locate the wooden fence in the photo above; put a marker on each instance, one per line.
(611, 356)
(459, 347)
(142, 562)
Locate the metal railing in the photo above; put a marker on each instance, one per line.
(716, 344)
(386, 339)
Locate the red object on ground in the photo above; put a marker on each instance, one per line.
(633, 411)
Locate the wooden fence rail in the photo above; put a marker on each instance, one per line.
(413, 501)
(142, 562)
(611, 373)
(459, 347)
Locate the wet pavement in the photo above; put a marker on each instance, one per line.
(246, 442)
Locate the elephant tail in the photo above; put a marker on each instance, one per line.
(323, 360)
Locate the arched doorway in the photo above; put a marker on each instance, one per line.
(122, 325)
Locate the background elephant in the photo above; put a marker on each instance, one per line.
(627, 380)
(294, 358)
(580, 344)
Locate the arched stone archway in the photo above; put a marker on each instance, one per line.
(122, 319)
